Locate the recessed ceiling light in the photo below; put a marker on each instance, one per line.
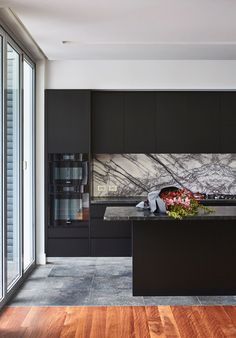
(67, 42)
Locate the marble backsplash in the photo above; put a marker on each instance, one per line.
(137, 174)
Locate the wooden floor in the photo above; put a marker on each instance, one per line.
(119, 321)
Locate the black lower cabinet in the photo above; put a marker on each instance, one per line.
(111, 247)
(68, 247)
(68, 242)
(184, 258)
(108, 239)
(103, 229)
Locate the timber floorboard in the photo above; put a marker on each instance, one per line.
(118, 321)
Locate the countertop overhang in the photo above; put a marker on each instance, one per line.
(124, 213)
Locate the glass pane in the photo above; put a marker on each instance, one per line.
(12, 159)
(1, 161)
(28, 223)
(68, 173)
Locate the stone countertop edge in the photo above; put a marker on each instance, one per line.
(117, 200)
(135, 200)
(124, 213)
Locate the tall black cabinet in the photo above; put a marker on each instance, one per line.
(67, 172)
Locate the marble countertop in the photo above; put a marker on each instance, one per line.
(133, 200)
(118, 200)
(124, 213)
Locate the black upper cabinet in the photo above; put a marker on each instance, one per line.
(228, 123)
(187, 122)
(107, 122)
(68, 120)
(139, 127)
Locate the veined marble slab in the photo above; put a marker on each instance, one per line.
(137, 174)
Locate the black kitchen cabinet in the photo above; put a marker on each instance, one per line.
(68, 121)
(108, 238)
(103, 229)
(111, 247)
(228, 123)
(139, 126)
(187, 122)
(68, 247)
(107, 122)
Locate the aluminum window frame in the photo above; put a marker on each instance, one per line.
(32, 64)
(8, 292)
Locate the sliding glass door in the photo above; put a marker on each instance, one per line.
(17, 192)
(28, 160)
(12, 165)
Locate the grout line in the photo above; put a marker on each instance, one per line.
(91, 287)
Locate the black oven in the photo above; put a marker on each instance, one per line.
(68, 189)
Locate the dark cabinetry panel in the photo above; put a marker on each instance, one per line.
(68, 139)
(68, 121)
(187, 122)
(108, 238)
(107, 122)
(103, 229)
(140, 108)
(119, 247)
(67, 247)
(228, 123)
(76, 232)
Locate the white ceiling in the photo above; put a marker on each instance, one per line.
(130, 29)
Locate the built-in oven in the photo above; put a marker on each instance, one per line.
(68, 189)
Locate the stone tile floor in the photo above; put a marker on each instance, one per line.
(93, 281)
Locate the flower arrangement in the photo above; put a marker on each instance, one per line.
(182, 203)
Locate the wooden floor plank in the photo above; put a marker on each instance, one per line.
(168, 321)
(187, 322)
(71, 322)
(118, 322)
(141, 329)
(224, 321)
(156, 329)
(207, 315)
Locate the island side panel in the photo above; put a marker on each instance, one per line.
(187, 257)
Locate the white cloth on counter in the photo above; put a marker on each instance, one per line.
(155, 203)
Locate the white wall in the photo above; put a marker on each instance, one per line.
(116, 74)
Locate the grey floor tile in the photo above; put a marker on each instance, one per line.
(217, 300)
(108, 270)
(175, 300)
(83, 283)
(72, 271)
(111, 292)
(114, 300)
(65, 297)
(51, 298)
(94, 281)
(113, 282)
(123, 261)
(69, 261)
(42, 271)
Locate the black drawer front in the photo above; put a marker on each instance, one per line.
(97, 211)
(82, 232)
(110, 229)
(67, 247)
(111, 247)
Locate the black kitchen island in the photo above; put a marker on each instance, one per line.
(193, 256)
